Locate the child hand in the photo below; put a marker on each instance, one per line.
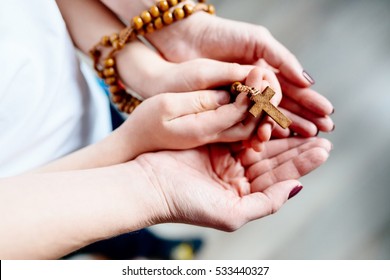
(187, 120)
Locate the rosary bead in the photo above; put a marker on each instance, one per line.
(116, 98)
(100, 74)
(137, 23)
(158, 23)
(211, 9)
(109, 72)
(105, 41)
(117, 45)
(163, 6)
(202, 1)
(178, 13)
(154, 11)
(146, 17)
(150, 28)
(168, 17)
(188, 9)
(114, 37)
(172, 3)
(114, 89)
(121, 105)
(109, 62)
(110, 81)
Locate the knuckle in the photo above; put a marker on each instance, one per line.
(165, 103)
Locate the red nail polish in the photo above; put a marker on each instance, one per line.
(308, 77)
(295, 191)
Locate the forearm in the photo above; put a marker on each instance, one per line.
(49, 215)
(87, 21)
(119, 147)
(127, 9)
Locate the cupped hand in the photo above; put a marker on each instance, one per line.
(221, 187)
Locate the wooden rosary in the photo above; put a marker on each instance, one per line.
(164, 13)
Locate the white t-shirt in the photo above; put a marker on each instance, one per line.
(47, 109)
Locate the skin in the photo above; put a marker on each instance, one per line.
(118, 185)
(195, 53)
(222, 186)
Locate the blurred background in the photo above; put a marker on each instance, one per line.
(343, 212)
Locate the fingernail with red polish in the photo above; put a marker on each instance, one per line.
(295, 191)
(308, 77)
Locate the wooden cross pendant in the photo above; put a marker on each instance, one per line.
(262, 103)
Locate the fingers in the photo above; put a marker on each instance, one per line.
(307, 98)
(176, 105)
(268, 164)
(261, 78)
(208, 123)
(297, 113)
(280, 58)
(261, 204)
(300, 125)
(293, 168)
(272, 149)
(201, 74)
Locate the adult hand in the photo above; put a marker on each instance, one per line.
(206, 36)
(219, 187)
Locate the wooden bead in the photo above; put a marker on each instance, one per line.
(154, 11)
(188, 9)
(109, 72)
(114, 89)
(116, 98)
(167, 17)
(163, 6)
(100, 74)
(211, 9)
(178, 13)
(136, 101)
(172, 3)
(149, 28)
(137, 23)
(121, 105)
(105, 41)
(158, 23)
(146, 17)
(110, 81)
(114, 37)
(117, 45)
(109, 62)
(202, 1)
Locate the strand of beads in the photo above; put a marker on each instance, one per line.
(164, 13)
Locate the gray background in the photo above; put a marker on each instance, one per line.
(343, 212)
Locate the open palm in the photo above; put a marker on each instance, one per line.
(223, 187)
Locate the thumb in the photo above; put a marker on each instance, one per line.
(205, 73)
(188, 103)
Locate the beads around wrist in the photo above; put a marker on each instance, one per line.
(164, 13)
